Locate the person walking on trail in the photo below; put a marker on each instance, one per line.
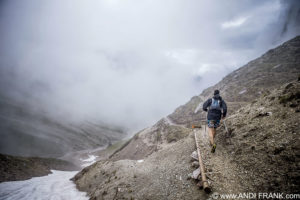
(216, 109)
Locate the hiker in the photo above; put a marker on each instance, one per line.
(214, 106)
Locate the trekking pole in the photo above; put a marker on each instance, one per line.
(202, 169)
(227, 132)
(225, 127)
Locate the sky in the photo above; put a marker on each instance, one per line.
(131, 62)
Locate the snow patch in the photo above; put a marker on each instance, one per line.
(89, 161)
(169, 121)
(198, 107)
(53, 186)
(243, 91)
(91, 158)
(276, 66)
(140, 161)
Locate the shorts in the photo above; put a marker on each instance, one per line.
(213, 123)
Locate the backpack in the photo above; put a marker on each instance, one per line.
(215, 104)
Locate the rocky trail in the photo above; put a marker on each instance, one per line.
(220, 172)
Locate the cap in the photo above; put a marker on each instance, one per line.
(216, 92)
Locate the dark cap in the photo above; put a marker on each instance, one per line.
(216, 92)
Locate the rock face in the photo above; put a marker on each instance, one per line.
(14, 168)
(261, 153)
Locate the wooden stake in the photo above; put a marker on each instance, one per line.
(202, 169)
(195, 126)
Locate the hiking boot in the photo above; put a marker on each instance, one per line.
(213, 148)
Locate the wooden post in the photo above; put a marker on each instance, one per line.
(202, 168)
(195, 126)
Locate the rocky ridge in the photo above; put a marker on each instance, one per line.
(274, 68)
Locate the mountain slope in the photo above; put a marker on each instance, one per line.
(14, 168)
(274, 68)
(262, 154)
(266, 140)
(28, 130)
(243, 79)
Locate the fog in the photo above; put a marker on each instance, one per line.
(131, 62)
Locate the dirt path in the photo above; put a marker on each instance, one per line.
(221, 173)
(171, 123)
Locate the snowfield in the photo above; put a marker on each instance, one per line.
(55, 186)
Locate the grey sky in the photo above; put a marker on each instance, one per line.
(132, 61)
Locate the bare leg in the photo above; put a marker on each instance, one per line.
(211, 135)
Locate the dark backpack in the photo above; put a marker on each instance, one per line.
(215, 104)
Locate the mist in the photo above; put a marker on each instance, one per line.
(131, 62)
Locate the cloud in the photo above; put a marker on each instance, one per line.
(130, 62)
(234, 23)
